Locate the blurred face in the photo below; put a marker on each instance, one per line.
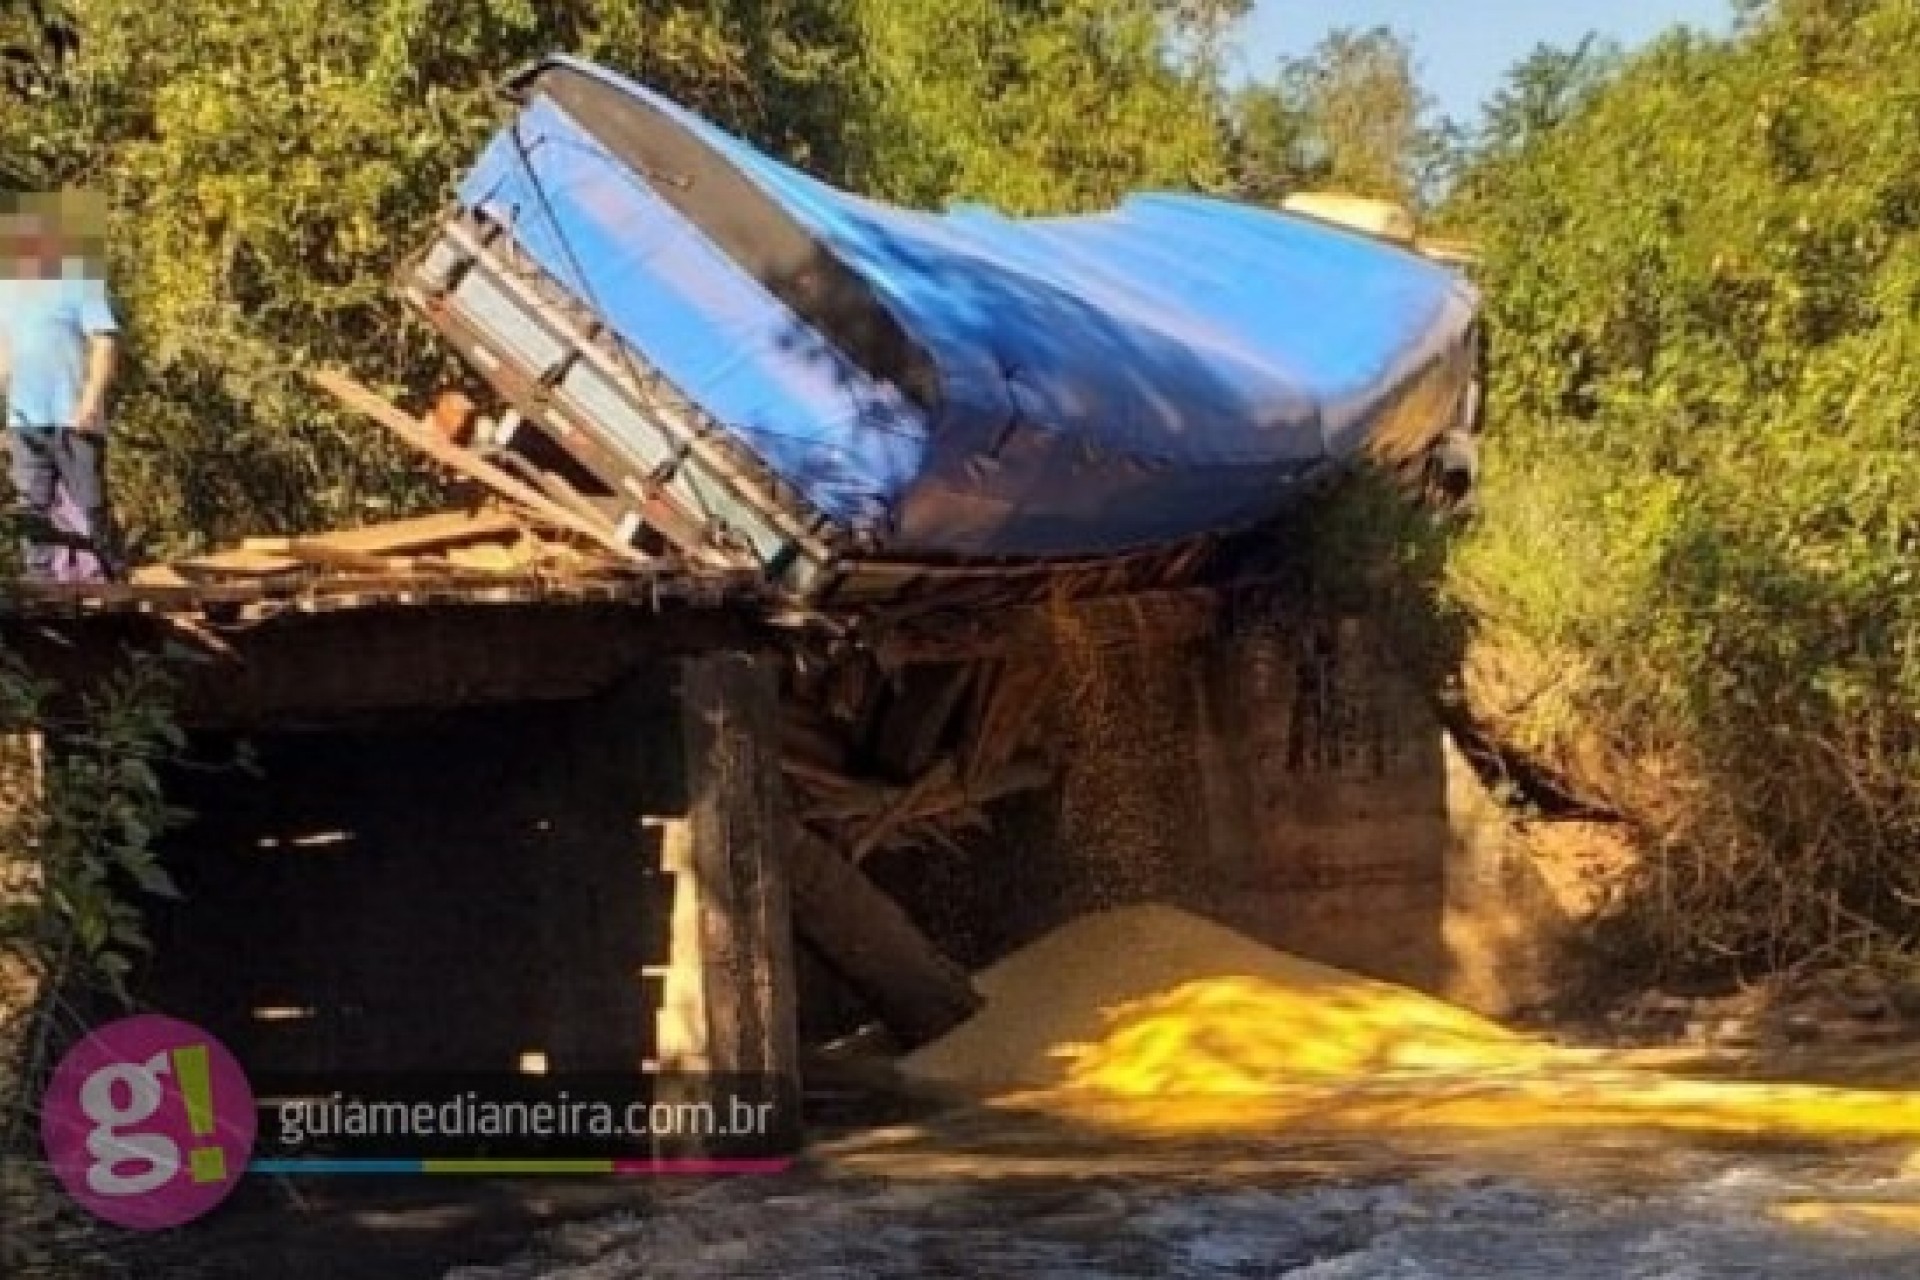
(29, 247)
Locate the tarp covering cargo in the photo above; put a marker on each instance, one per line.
(967, 384)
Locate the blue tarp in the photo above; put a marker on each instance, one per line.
(1107, 382)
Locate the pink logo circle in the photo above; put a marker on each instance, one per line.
(149, 1122)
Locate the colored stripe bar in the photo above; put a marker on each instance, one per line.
(701, 1168)
(687, 1168)
(483, 1168)
(333, 1168)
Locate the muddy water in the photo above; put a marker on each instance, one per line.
(1149, 1187)
(991, 1193)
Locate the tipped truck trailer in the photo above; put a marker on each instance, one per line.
(720, 355)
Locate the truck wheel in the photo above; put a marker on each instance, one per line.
(1453, 472)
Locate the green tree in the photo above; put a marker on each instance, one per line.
(1544, 91)
(1267, 144)
(37, 38)
(1350, 116)
(1042, 106)
(1704, 501)
(81, 811)
(1200, 33)
(37, 42)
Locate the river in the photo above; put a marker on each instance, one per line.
(995, 1194)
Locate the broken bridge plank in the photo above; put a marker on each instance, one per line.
(865, 937)
(858, 800)
(471, 465)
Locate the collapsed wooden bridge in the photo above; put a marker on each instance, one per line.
(810, 742)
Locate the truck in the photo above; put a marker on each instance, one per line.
(726, 359)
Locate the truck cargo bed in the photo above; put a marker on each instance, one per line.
(755, 369)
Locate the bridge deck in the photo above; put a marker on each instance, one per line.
(489, 554)
(233, 601)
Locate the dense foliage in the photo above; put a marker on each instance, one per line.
(1699, 577)
(37, 38)
(1034, 108)
(1348, 117)
(81, 809)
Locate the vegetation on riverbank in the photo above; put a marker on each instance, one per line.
(1697, 584)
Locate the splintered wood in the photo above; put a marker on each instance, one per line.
(487, 541)
(909, 760)
(475, 467)
(519, 538)
(905, 742)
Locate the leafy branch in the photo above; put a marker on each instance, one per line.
(83, 809)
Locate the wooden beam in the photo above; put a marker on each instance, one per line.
(158, 575)
(305, 668)
(1168, 614)
(727, 1016)
(730, 1006)
(866, 938)
(251, 562)
(814, 773)
(322, 554)
(556, 487)
(856, 800)
(422, 533)
(811, 740)
(241, 599)
(1015, 692)
(900, 811)
(471, 465)
(916, 718)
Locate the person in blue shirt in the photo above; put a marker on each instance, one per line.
(58, 345)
